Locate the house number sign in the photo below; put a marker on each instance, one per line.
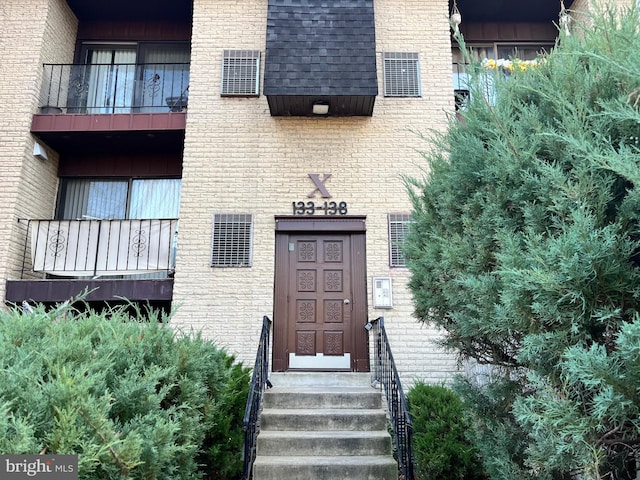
(318, 208)
(326, 206)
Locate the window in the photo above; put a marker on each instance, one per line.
(138, 198)
(231, 240)
(240, 73)
(401, 74)
(398, 230)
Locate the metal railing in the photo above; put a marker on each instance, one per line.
(259, 382)
(114, 88)
(385, 374)
(94, 248)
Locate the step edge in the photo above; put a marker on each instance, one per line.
(325, 459)
(325, 433)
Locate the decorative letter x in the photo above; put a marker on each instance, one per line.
(315, 178)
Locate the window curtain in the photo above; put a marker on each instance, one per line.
(111, 81)
(93, 199)
(155, 198)
(107, 199)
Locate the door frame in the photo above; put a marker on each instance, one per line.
(356, 227)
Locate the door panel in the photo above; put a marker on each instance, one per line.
(320, 276)
(317, 323)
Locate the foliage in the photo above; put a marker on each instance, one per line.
(440, 447)
(526, 249)
(131, 399)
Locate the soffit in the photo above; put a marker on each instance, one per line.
(510, 10)
(132, 10)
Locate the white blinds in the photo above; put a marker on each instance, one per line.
(116, 199)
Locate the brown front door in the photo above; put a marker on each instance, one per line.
(320, 300)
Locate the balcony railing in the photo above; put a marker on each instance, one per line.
(97, 248)
(115, 88)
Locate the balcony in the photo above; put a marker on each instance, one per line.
(115, 88)
(88, 106)
(113, 259)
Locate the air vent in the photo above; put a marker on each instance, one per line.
(398, 230)
(401, 74)
(240, 73)
(231, 240)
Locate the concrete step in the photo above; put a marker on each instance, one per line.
(323, 397)
(323, 426)
(323, 419)
(323, 443)
(377, 467)
(320, 379)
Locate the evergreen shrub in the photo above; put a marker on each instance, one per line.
(440, 447)
(132, 399)
(525, 253)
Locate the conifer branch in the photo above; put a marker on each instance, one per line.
(124, 470)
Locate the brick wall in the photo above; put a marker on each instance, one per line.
(586, 5)
(33, 33)
(239, 159)
(581, 8)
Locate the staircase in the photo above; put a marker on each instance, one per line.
(323, 426)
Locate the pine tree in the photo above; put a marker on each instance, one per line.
(526, 252)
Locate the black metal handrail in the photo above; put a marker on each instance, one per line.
(259, 382)
(386, 375)
(114, 88)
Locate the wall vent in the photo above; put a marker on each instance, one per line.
(231, 240)
(240, 73)
(401, 74)
(398, 230)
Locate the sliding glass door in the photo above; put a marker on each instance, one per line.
(111, 79)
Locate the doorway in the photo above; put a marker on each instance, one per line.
(320, 300)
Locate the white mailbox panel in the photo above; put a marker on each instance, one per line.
(382, 295)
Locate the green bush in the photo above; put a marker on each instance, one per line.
(525, 253)
(440, 448)
(132, 399)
